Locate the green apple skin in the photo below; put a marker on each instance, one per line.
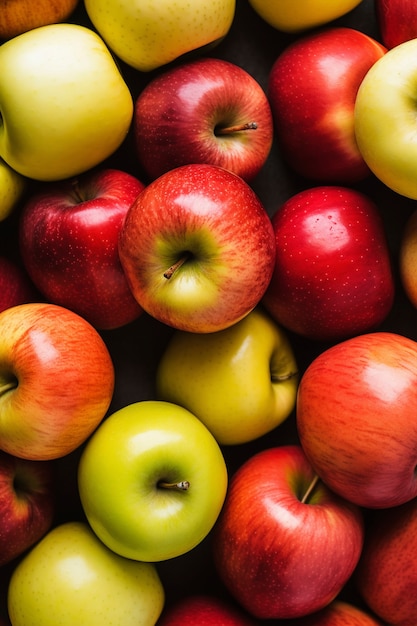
(12, 187)
(65, 106)
(241, 382)
(120, 474)
(147, 35)
(70, 578)
(385, 124)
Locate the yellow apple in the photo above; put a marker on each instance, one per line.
(12, 188)
(147, 34)
(408, 259)
(18, 16)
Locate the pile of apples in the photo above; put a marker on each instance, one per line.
(208, 303)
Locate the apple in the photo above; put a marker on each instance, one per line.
(397, 21)
(27, 504)
(339, 613)
(204, 610)
(204, 111)
(56, 380)
(64, 103)
(147, 36)
(241, 382)
(70, 578)
(386, 576)
(407, 258)
(69, 234)
(152, 480)
(289, 17)
(12, 189)
(333, 276)
(19, 16)
(15, 285)
(312, 89)
(197, 247)
(384, 119)
(356, 410)
(285, 545)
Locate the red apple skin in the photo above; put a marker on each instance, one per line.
(339, 613)
(333, 275)
(278, 556)
(386, 576)
(356, 418)
(69, 245)
(397, 21)
(179, 114)
(27, 504)
(204, 610)
(19, 16)
(312, 91)
(15, 285)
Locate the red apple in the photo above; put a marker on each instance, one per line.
(69, 245)
(333, 275)
(312, 91)
(198, 248)
(285, 546)
(19, 16)
(397, 21)
(204, 111)
(339, 613)
(204, 610)
(15, 285)
(356, 418)
(26, 504)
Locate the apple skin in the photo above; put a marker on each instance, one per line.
(339, 613)
(15, 285)
(407, 258)
(313, 106)
(56, 382)
(148, 35)
(70, 578)
(122, 469)
(278, 556)
(12, 189)
(241, 382)
(19, 16)
(69, 235)
(204, 610)
(183, 115)
(371, 407)
(27, 504)
(206, 228)
(65, 108)
(333, 274)
(397, 21)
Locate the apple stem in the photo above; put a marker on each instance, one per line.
(7, 387)
(228, 130)
(310, 489)
(170, 271)
(183, 485)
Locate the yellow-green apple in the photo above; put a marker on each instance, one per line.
(56, 380)
(339, 613)
(152, 480)
(384, 119)
(356, 408)
(285, 545)
(70, 578)
(15, 284)
(397, 21)
(241, 382)
(69, 234)
(386, 576)
(198, 248)
(333, 275)
(27, 504)
(204, 609)
(12, 188)
(291, 17)
(312, 89)
(146, 35)
(205, 111)
(19, 16)
(407, 258)
(64, 105)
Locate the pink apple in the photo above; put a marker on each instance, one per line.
(312, 91)
(339, 613)
(204, 610)
(27, 504)
(56, 381)
(333, 277)
(69, 245)
(356, 418)
(15, 285)
(397, 21)
(198, 248)
(285, 546)
(204, 111)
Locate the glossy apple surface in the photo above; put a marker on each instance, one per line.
(241, 382)
(282, 549)
(15, 285)
(205, 111)
(69, 235)
(339, 613)
(204, 610)
(198, 248)
(397, 21)
(70, 578)
(312, 89)
(19, 16)
(152, 481)
(66, 108)
(333, 276)
(356, 399)
(12, 189)
(56, 380)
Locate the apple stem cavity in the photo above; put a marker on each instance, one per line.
(278, 378)
(8, 386)
(229, 130)
(310, 489)
(171, 270)
(182, 485)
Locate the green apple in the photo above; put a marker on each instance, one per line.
(241, 382)
(152, 481)
(147, 34)
(70, 577)
(64, 105)
(12, 187)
